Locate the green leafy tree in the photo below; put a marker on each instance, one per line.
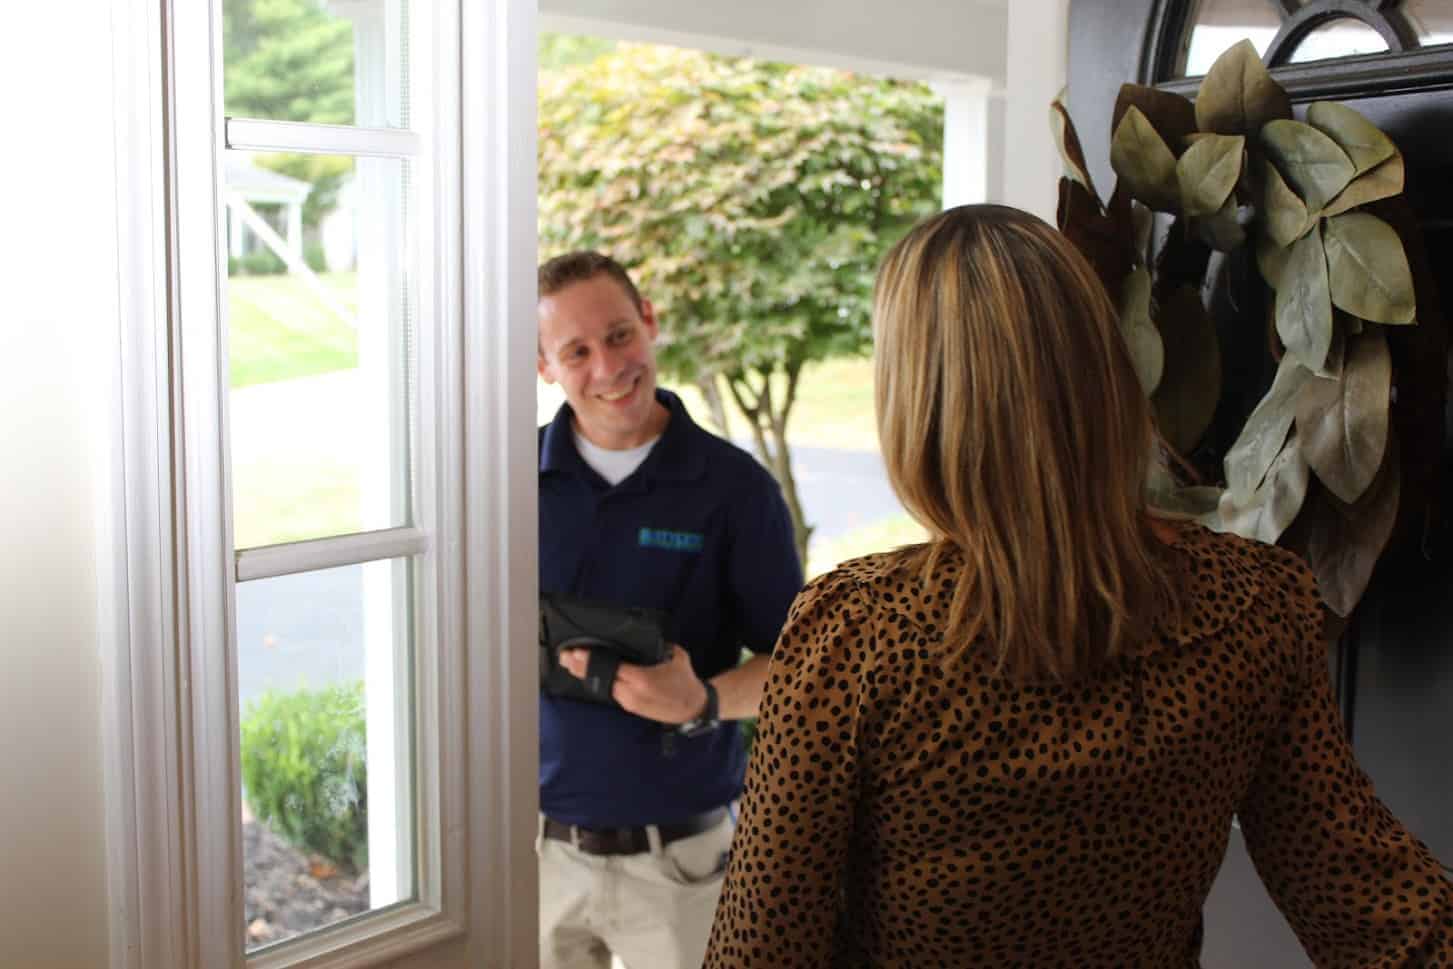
(290, 60)
(752, 201)
(287, 60)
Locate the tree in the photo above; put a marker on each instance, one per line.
(287, 60)
(751, 200)
(290, 60)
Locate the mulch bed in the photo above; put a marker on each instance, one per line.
(288, 892)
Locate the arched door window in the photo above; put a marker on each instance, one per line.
(1298, 31)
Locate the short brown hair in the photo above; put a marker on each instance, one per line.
(579, 266)
(1014, 429)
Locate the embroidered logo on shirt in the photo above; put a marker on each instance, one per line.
(669, 540)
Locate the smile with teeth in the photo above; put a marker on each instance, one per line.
(619, 394)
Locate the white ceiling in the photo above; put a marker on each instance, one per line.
(923, 39)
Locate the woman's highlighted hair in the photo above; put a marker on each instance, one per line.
(1015, 431)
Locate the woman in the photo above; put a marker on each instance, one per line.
(1023, 743)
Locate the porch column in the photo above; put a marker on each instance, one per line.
(965, 140)
(295, 229)
(1038, 59)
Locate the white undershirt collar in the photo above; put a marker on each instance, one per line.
(613, 466)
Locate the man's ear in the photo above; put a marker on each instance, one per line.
(648, 317)
(543, 368)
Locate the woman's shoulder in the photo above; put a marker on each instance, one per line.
(891, 582)
(1219, 576)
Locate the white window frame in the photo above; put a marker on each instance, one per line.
(173, 819)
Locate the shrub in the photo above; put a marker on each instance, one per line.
(314, 256)
(304, 769)
(261, 262)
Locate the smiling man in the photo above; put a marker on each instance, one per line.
(640, 507)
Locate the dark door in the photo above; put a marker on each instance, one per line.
(1393, 666)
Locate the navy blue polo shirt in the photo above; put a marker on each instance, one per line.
(700, 532)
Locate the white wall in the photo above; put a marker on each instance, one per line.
(935, 38)
(57, 260)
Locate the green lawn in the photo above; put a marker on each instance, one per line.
(281, 500)
(279, 329)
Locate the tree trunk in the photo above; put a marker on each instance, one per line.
(768, 421)
(716, 408)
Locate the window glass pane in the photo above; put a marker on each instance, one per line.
(321, 61)
(1344, 37)
(1221, 24)
(319, 343)
(326, 703)
(1432, 19)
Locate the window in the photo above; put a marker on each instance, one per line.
(322, 236)
(325, 511)
(1305, 31)
(1220, 24)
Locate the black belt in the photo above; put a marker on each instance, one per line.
(629, 841)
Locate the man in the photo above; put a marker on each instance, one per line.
(640, 507)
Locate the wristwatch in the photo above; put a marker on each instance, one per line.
(707, 720)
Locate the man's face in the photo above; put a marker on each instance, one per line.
(598, 347)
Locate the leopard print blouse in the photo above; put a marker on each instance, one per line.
(901, 811)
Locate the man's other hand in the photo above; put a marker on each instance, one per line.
(668, 692)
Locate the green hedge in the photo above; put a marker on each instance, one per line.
(304, 769)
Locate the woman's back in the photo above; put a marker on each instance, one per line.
(906, 806)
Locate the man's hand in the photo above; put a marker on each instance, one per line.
(668, 692)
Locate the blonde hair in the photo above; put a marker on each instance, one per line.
(1015, 431)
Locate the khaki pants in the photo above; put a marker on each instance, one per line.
(651, 910)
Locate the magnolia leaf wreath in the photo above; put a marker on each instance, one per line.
(1232, 170)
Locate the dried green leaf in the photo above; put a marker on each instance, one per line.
(1304, 304)
(1094, 233)
(1222, 230)
(1164, 493)
(1238, 96)
(1337, 352)
(1345, 541)
(1271, 259)
(1265, 430)
(1208, 171)
(1190, 385)
(1069, 145)
(1142, 221)
(1343, 423)
(1369, 269)
(1363, 142)
(1141, 158)
(1142, 339)
(1285, 215)
(1384, 181)
(1197, 501)
(1272, 507)
(1172, 115)
(1312, 164)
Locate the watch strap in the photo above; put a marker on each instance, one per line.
(709, 717)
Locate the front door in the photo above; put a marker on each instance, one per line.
(1393, 666)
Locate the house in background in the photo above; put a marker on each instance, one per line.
(250, 185)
